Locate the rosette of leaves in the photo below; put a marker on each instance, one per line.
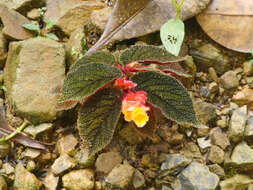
(90, 82)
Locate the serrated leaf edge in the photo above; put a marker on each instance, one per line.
(84, 99)
(160, 110)
(86, 144)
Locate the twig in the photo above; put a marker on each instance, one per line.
(14, 133)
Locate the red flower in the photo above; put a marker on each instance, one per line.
(125, 84)
(134, 108)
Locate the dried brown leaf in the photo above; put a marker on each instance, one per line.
(229, 23)
(133, 18)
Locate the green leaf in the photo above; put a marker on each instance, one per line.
(98, 117)
(168, 95)
(150, 53)
(172, 35)
(50, 24)
(97, 57)
(32, 27)
(52, 36)
(88, 79)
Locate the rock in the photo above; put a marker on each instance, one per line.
(100, 17)
(215, 168)
(191, 150)
(242, 156)
(98, 185)
(196, 176)
(174, 163)
(107, 161)
(129, 134)
(13, 24)
(34, 14)
(249, 128)
(8, 169)
(31, 165)
(249, 81)
(208, 55)
(51, 181)
(205, 112)
(213, 87)
(121, 176)
(175, 138)
(79, 180)
(30, 153)
(35, 130)
(24, 5)
(138, 179)
(250, 187)
(164, 187)
(67, 144)
(222, 123)
(248, 68)
(34, 73)
(76, 45)
(213, 74)
(219, 138)
(3, 184)
(202, 132)
(70, 14)
(148, 160)
(216, 155)
(84, 159)
(237, 125)
(25, 180)
(229, 80)
(5, 148)
(236, 182)
(244, 97)
(62, 164)
(204, 142)
(3, 49)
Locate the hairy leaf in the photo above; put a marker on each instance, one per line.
(134, 18)
(96, 57)
(172, 35)
(148, 53)
(88, 79)
(66, 105)
(98, 117)
(168, 95)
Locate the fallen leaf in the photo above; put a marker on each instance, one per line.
(229, 23)
(133, 18)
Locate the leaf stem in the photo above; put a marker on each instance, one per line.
(14, 133)
(178, 6)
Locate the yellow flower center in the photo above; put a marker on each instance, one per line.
(128, 115)
(140, 116)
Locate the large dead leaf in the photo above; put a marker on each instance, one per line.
(133, 18)
(229, 23)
